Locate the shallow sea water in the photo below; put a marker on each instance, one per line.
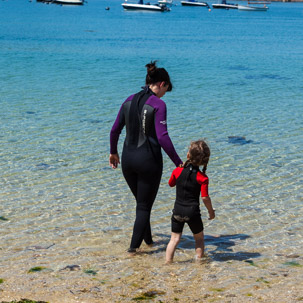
(65, 72)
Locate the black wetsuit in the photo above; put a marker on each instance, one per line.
(190, 182)
(144, 116)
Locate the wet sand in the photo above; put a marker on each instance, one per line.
(105, 273)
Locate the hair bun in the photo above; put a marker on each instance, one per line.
(151, 67)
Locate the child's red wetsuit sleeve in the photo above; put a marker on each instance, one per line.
(174, 176)
(203, 180)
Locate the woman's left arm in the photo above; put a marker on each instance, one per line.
(162, 133)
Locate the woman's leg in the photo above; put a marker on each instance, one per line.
(143, 175)
(131, 179)
(147, 188)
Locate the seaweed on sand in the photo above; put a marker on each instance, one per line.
(262, 280)
(90, 272)
(148, 295)
(24, 301)
(217, 289)
(293, 263)
(36, 268)
(252, 263)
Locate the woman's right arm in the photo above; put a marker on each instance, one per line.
(114, 159)
(114, 136)
(116, 131)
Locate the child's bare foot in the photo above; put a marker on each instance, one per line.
(199, 258)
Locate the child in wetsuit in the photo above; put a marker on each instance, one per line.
(190, 182)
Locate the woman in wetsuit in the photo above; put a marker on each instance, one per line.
(144, 115)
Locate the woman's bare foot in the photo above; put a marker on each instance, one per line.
(132, 252)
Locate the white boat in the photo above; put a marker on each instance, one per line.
(225, 5)
(254, 6)
(166, 2)
(45, 1)
(147, 6)
(71, 2)
(194, 3)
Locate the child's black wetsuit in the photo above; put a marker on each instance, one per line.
(144, 116)
(189, 181)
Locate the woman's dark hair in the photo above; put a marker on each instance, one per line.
(155, 74)
(199, 154)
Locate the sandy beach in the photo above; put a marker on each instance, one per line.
(110, 275)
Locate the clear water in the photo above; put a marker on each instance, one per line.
(65, 71)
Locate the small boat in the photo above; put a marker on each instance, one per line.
(225, 5)
(45, 1)
(254, 6)
(147, 6)
(71, 2)
(194, 3)
(166, 2)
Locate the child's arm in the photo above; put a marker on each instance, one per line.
(208, 205)
(174, 176)
(203, 180)
(172, 180)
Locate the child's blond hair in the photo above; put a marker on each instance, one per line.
(198, 154)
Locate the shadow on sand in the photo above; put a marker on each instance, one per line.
(224, 252)
(223, 246)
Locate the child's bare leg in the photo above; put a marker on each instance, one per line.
(171, 247)
(199, 239)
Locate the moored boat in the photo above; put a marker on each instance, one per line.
(166, 2)
(71, 2)
(194, 3)
(45, 1)
(254, 6)
(225, 5)
(147, 6)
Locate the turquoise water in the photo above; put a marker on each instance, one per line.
(66, 70)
